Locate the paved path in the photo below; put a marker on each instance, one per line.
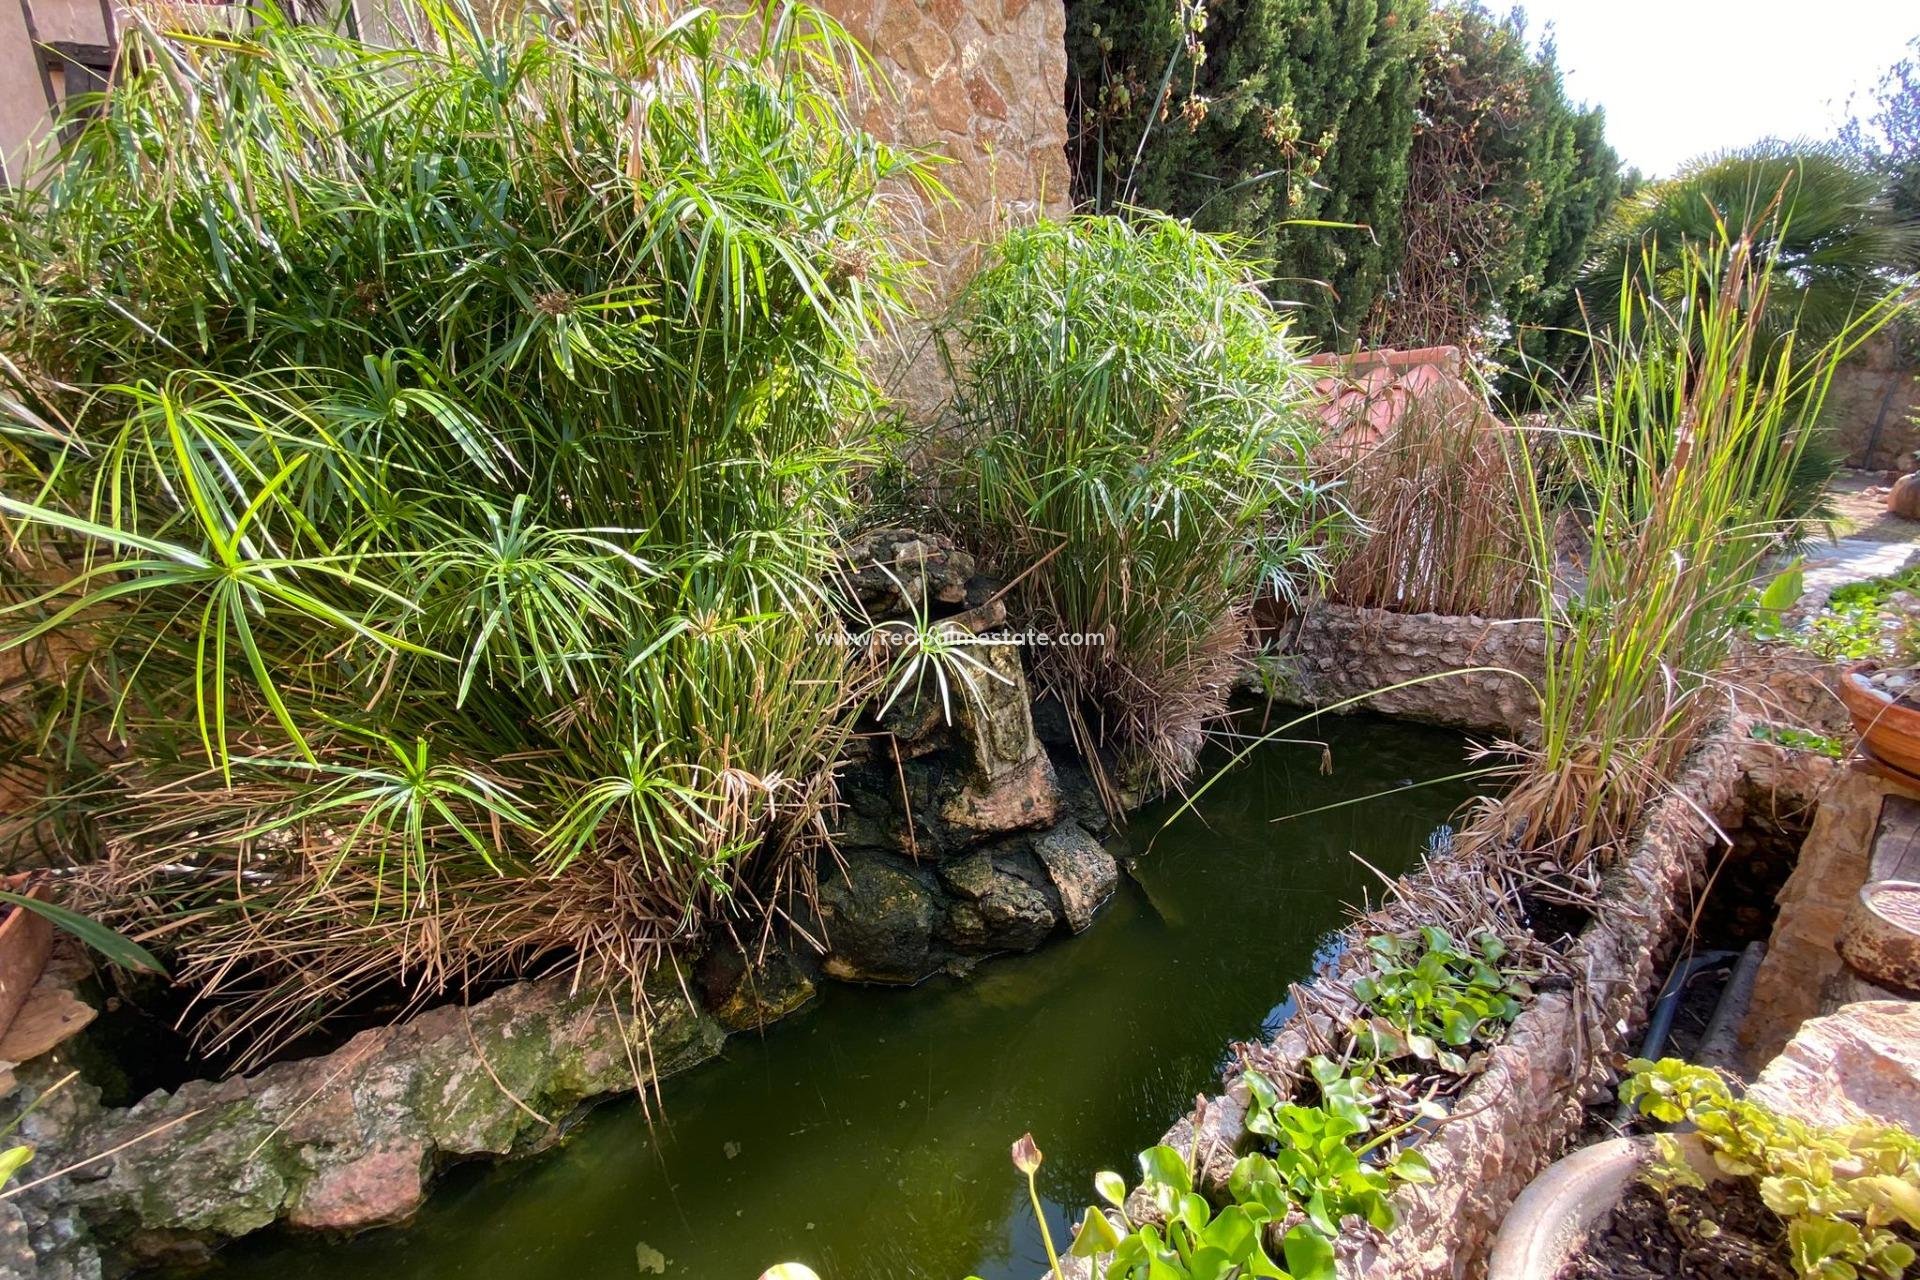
(1853, 560)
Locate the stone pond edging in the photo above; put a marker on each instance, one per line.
(337, 1141)
(1337, 653)
(1332, 653)
(1559, 1055)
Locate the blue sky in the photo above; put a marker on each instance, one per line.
(1682, 77)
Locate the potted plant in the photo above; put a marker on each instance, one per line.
(1747, 1192)
(1885, 706)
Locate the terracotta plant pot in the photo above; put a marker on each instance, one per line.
(1890, 729)
(26, 940)
(1550, 1221)
(1880, 937)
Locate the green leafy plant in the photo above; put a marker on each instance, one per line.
(1859, 620)
(424, 467)
(921, 648)
(112, 944)
(1135, 435)
(1430, 997)
(1321, 1166)
(1765, 616)
(1190, 1240)
(1823, 744)
(1841, 1193)
(1319, 1162)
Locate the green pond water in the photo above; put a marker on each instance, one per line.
(867, 1135)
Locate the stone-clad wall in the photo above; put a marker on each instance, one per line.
(1873, 409)
(1336, 652)
(981, 83)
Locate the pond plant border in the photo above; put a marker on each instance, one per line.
(1527, 1102)
(517, 1065)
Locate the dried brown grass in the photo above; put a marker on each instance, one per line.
(1444, 528)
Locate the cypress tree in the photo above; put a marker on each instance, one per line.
(1251, 115)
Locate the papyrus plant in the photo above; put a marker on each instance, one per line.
(1135, 446)
(420, 472)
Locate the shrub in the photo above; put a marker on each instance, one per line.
(1507, 180)
(1821, 214)
(1250, 116)
(424, 464)
(1135, 447)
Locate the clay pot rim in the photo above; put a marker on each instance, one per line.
(1552, 1216)
(1872, 709)
(1867, 929)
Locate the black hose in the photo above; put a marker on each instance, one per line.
(1667, 1006)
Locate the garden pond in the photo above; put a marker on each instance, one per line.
(867, 1135)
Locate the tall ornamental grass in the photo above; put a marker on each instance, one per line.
(420, 467)
(1686, 480)
(1441, 530)
(1136, 449)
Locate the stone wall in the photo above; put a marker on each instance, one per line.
(1873, 407)
(981, 84)
(1334, 652)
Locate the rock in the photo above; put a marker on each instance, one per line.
(16, 1254)
(1001, 906)
(917, 722)
(1336, 653)
(879, 919)
(746, 992)
(973, 877)
(997, 716)
(1022, 798)
(1860, 1062)
(1832, 866)
(1904, 498)
(383, 1186)
(963, 784)
(898, 572)
(346, 1140)
(1082, 871)
(51, 1016)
